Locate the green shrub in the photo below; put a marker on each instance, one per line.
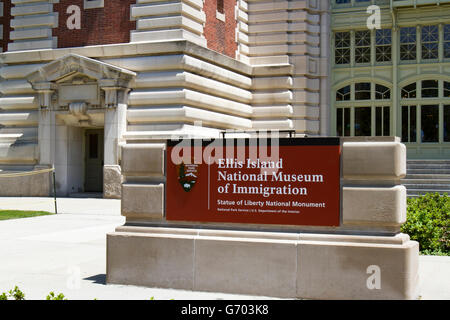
(52, 296)
(428, 221)
(16, 294)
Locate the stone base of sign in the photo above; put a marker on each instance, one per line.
(288, 265)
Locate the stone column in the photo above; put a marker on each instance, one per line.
(325, 72)
(46, 133)
(116, 96)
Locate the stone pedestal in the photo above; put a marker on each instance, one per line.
(288, 265)
(365, 257)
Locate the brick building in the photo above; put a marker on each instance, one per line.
(80, 78)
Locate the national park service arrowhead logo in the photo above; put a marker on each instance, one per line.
(187, 175)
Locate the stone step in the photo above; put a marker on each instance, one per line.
(427, 186)
(411, 193)
(427, 166)
(428, 171)
(421, 194)
(427, 176)
(435, 181)
(428, 161)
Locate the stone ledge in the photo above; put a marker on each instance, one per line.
(242, 262)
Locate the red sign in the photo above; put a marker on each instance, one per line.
(298, 184)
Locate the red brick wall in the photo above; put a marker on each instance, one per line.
(107, 25)
(220, 35)
(5, 21)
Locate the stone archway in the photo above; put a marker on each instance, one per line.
(78, 93)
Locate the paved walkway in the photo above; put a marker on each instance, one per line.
(67, 253)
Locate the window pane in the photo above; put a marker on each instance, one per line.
(362, 91)
(408, 43)
(347, 122)
(447, 32)
(447, 41)
(446, 89)
(93, 146)
(362, 46)
(378, 121)
(343, 93)
(409, 91)
(383, 40)
(220, 6)
(342, 44)
(430, 123)
(408, 35)
(342, 1)
(382, 92)
(383, 53)
(405, 124)
(447, 123)
(447, 49)
(339, 122)
(382, 121)
(412, 124)
(386, 121)
(363, 120)
(430, 37)
(430, 89)
(409, 123)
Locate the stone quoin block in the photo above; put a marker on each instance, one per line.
(374, 205)
(374, 160)
(143, 159)
(142, 201)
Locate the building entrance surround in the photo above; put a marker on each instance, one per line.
(76, 96)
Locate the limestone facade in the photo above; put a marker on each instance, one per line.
(166, 80)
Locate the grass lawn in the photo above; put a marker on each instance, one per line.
(17, 214)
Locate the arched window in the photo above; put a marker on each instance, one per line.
(363, 109)
(362, 90)
(446, 89)
(382, 92)
(343, 93)
(409, 91)
(425, 111)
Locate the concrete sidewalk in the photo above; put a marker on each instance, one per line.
(67, 253)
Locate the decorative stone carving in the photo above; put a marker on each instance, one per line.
(78, 108)
(45, 92)
(114, 81)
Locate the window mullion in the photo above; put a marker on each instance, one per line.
(418, 44)
(441, 42)
(373, 122)
(418, 123)
(352, 48)
(352, 121)
(372, 47)
(441, 123)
